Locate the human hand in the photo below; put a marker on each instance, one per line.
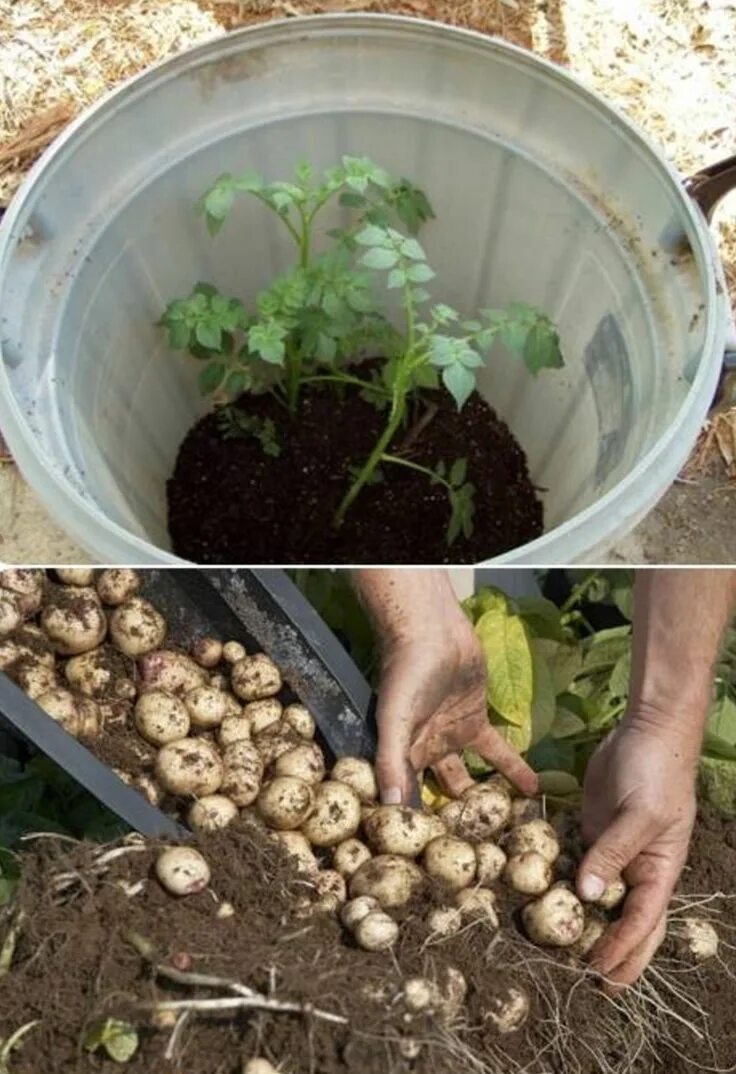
(638, 813)
(432, 704)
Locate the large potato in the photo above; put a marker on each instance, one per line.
(450, 860)
(390, 879)
(28, 642)
(285, 802)
(394, 829)
(336, 815)
(255, 677)
(174, 672)
(481, 814)
(117, 584)
(101, 672)
(305, 761)
(28, 586)
(528, 873)
(136, 627)
(74, 621)
(76, 576)
(243, 772)
(189, 766)
(556, 920)
(358, 774)
(161, 718)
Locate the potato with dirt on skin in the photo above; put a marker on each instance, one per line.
(395, 829)
(529, 873)
(348, 856)
(329, 884)
(490, 862)
(592, 931)
(117, 584)
(444, 921)
(255, 677)
(486, 811)
(212, 812)
(174, 672)
(306, 762)
(356, 909)
(358, 774)
(80, 716)
(76, 576)
(452, 990)
(74, 621)
(299, 719)
(242, 773)
(477, 904)
(101, 672)
(508, 1010)
(35, 679)
(206, 706)
(535, 835)
(556, 919)
(207, 652)
(28, 586)
(275, 741)
(335, 817)
(696, 939)
(263, 714)
(233, 729)
(285, 802)
(29, 643)
(450, 860)
(189, 766)
(297, 847)
(389, 878)
(137, 628)
(161, 718)
(233, 651)
(376, 932)
(11, 616)
(524, 810)
(182, 870)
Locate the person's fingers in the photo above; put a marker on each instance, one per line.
(494, 748)
(628, 971)
(615, 955)
(452, 775)
(393, 771)
(614, 849)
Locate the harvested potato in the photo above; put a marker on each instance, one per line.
(182, 870)
(259, 1066)
(161, 718)
(263, 714)
(285, 802)
(348, 856)
(525, 809)
(528, 873)
(450, 860)
(232, 652)
(176, 673)
(299, 719)
(11, 616)
(390, 879)
(189, 766)
(452, 991)
(394, 829)
(242, 773)
(535, 835)
(355, 910)
(148, 788)
(233, 729)
(136, 627)
(591, 934)
(486, 811)
(26, 643)
(477, 904)
(206, 706)
(34, 678)
(74, 621)
(556, 919)
(207, 652)
(336, 815)
(101, 672)
(275, 741)
(306, 762)
(376, 932)
(613, 895)
(508, 1010)
(358, 774)
(255, 677)
(297, 846)
(212, 812)
(80, 716)
(444, 921)
(490, 861)
(116, 585)
(420, 994)
(331, 886)
(28, 586)
(696, 939)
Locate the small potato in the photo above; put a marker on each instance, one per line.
(306, 762)
(189, 766)
(73, 713)
(259, 1066)
(11, 616)
(161, 718)
(376, 932)
(697, 939)
(137, 628)
(35, 678)
(536, 835)
(28, 586)
(555, 920)
(477, 904)
(395, 829)
(263, 714)
(275, 741)
(490, 863)
(182, 870)
(117, 584)
(348, 856)
(358, 774)
(329, 884)
(285, 802)
(509, 1010)
(390, 879)
(355, 910)
(74, 621)
(102, 673)
(452, 991)
(525, 809)
(165, 669)
(207, 652)
(450, 860)
(528, 873)
(242, 773)
(444, 921)
(299, 719)
(336, 815)
(212, 812)
(148, 789)
(410, 1048)
(255, 677)
(77, 576)
(592, 932)
(613, 895)
(420, 994)
(298, 848)
(233, 651)
(233, 729)
(206, 706)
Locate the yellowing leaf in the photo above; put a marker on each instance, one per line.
(509, 662)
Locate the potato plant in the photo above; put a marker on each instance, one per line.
(317, 322)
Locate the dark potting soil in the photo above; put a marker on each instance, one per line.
(228, 502)
(74, 965)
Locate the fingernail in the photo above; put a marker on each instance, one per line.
(391, 796)
(591, 887)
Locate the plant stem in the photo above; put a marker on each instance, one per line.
(374, 459)
(398, 461)
(578, 592)
(345, 378)
(305, 238)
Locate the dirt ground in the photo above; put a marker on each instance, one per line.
(670, 64)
